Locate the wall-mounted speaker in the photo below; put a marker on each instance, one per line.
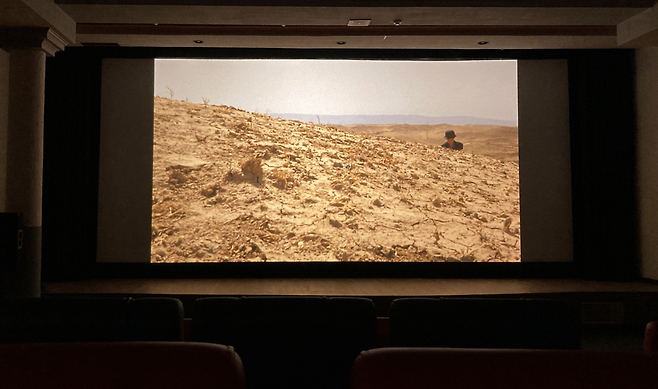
(11, 240)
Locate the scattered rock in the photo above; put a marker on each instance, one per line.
(177, 177)
(468, 258)
(209, 191)
(337, 185)
(310, 200)
(335, 223)
(342, 256)
(507, 223)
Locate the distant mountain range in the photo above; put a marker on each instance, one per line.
(392, 119)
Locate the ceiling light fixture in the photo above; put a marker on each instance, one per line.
(358, 22)
(198, 42)
(341, 42)
(482, 43)
(397, 22)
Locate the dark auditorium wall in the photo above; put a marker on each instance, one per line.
(4, 117)
(71, 149)
(603, 163)
(602, 168)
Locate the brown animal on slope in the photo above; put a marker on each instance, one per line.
(252, 166)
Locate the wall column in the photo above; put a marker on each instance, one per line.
(27, 73)
(646, 91)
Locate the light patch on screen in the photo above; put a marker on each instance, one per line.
(335, 160)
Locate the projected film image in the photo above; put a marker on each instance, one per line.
(335, 160)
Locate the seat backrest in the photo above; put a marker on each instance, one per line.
(90, 319)
(155, 319)
(84, 319)
(483, 323)
(291, 342)
(20, 321)
(144, 365)
(443, 368)
(63, 319)
(651, 338)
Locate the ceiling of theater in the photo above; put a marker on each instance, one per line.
(457, 24)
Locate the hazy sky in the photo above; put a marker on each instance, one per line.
(485, 89)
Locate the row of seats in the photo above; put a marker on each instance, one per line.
(428, 322)
(169, 365)
(295, 342)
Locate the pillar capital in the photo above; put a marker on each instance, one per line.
(44, 38)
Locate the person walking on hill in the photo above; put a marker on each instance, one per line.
(451, 143)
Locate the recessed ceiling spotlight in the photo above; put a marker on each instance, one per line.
(358, 22)
(341, 42)
(198, 42)
(482, 43)
(397, 22)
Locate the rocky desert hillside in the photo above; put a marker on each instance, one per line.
(236, 186)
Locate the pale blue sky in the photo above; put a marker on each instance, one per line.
(486, 89)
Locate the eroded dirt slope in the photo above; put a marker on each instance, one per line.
(231, 185)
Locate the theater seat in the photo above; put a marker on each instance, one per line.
(442, 368)
(143, 365)
(483, 323)
(90, 319)
(289, 342)
(651, 338)
(155, 319)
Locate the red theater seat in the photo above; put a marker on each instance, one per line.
(651, 338)
(441, 368)
(143, 365)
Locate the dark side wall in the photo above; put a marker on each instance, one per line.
(604, 163)
(602, 169)
(71, 149)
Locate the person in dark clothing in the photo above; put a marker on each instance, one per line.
(451, 143)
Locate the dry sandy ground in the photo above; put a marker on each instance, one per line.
(236, 186)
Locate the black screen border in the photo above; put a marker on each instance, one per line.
(590, 258)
